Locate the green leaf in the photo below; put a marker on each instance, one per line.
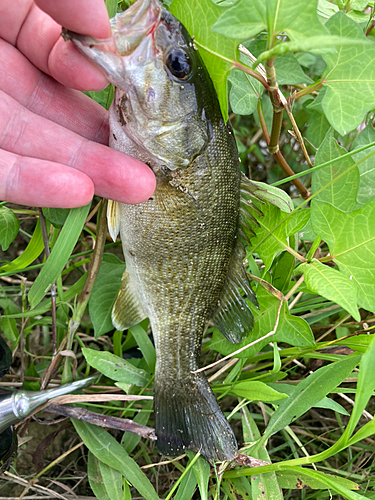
(335, 483)
(9, 328)
(198, 16)
(349, 76)
(245, 19)
(34, 248)
(56, 216)
(275, 196)
(244, 93)
(271, 236)
(146, 346)
(268, 482)
(9, 226)
(288, 69)
(253, 390)
(291, 329)
(282, 271)
(187, 486)
(112, 480)
(60, 253)
(104, 294)
(274, 228)
(95, 478)
(296, 476)
(116, 368)
(317, 128)
(330, 404)
(111, 7)
(341, 192)
(365, 386)
(108, 450)
(309, 391)
(366, 189)
(129, 441)
(201, 469)
(351, 241)
(332, 285)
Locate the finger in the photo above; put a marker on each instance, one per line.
(43, 95)
(40, 41)
(114, 174)
(88, 17)
(38, 183)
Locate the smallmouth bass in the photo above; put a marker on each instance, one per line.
(182, 247)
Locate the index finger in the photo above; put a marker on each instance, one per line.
(88, 17)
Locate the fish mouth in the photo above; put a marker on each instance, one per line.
(130, 29)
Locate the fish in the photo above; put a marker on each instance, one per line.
(184, 246)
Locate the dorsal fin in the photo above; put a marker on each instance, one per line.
(233, 317)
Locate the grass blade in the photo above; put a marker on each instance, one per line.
(308, 392)
(60, 253)
(31, 252)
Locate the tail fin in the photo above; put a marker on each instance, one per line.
(187, 416)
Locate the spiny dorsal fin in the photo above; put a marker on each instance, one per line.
(233, 316)
(127, 310)
(113, 218)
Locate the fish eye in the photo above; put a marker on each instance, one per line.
(178, 63)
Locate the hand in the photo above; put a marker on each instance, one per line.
(53, 139)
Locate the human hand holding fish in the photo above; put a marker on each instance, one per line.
(53, 139)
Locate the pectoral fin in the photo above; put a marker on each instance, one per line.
(127, 310)
(233, 317)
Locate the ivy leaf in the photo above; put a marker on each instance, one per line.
(366, 189)
(244, 93)
(274, 228)
(317, 128)
(340, 192)
(288, 69)
(349, 76)
(198, 16)
(351, 240)
(9, 227)
(332, 285)
(245, 19)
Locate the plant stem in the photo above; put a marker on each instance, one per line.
(308, 90)
(279, 157)
(84, 296)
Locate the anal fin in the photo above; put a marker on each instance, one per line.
(127, 310)
(233, 316)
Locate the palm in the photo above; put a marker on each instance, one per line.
(52, 138)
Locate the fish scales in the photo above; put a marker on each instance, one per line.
(182, 252)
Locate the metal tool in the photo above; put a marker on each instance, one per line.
(18, 405)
